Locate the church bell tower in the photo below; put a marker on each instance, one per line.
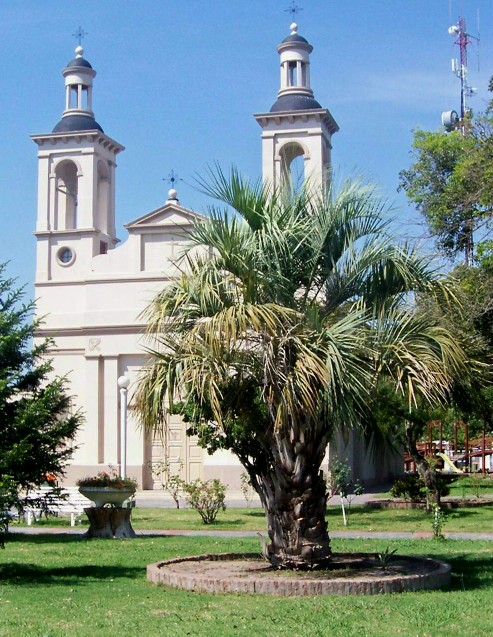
(297, 127)
(76, 183)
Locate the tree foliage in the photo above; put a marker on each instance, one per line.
(36, 427)
(450, 182)
(275, 334)
(469, 399)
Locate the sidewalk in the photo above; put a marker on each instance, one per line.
(236, 500)
(355, 535)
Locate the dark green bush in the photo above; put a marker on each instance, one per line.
(413, 488)
(410, 488)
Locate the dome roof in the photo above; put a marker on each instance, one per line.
(294, 102)
(77, 122)
(79, 61)
(295, 38)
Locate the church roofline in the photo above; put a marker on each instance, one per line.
(90, 135)
(146, 221)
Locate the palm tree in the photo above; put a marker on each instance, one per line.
(277, 331)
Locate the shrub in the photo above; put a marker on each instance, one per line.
(413, 488)
(437, 523)
(410, 488)
(171, 482)
(206, 497)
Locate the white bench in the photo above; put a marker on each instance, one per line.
(73, 505)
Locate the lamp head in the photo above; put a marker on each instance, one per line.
(123, 382)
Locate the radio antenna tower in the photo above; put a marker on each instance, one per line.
(450, 119)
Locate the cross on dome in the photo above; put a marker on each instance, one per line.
(79, 34)
(293, 9)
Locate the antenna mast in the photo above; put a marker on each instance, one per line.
(450, 119)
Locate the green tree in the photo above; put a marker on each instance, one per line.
(436, 184)
(469, 398)
(275, 334)
(450, 182)
(36, 428)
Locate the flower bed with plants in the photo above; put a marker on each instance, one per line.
(107, 488)
(105, 479)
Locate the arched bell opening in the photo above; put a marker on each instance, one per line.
(103, 196)
(66, 195)
(293, 159)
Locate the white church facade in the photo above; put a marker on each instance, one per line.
(91, 290)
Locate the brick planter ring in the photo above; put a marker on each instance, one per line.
(353, 574)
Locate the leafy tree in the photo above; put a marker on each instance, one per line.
(476, 292)
(276, 333)
(450, 182)
(36, 428)
(407, 427)
(469, 396)
(435, 183)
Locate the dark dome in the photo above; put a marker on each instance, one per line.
(72, 123)
(79, 62)
(295, 38)
(294, 103)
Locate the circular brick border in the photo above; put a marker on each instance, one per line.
(235, 573)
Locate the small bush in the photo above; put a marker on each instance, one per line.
(386, 557)
(171, 482)
(410, 488)
(206, 497)
(413, 488)
(437, 523)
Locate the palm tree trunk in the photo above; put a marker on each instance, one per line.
(293, 493)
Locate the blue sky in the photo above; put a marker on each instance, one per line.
(179, 80)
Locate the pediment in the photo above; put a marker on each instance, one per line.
(171, 215)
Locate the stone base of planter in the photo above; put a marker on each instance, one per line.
(350, 574)
(111, 522)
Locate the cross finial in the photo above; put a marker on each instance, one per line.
(293, 9)
(79, 34)
(172, 178)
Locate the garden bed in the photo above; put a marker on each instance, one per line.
(396, 503)
(350, 574)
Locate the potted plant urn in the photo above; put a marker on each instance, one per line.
(108, 491)
(114, 496)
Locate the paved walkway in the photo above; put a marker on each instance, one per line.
(160, 499)
(366, 535)
(236, 500)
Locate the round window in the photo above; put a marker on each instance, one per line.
(65, 256)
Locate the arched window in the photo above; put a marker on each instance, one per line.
(292, 167)
(66, 195)
(103, 194)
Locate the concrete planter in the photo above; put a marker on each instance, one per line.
(114, 496)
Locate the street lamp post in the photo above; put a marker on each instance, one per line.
(123, 383)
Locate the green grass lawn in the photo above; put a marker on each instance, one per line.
(54, 586)
(475, 485)
(473, 520)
